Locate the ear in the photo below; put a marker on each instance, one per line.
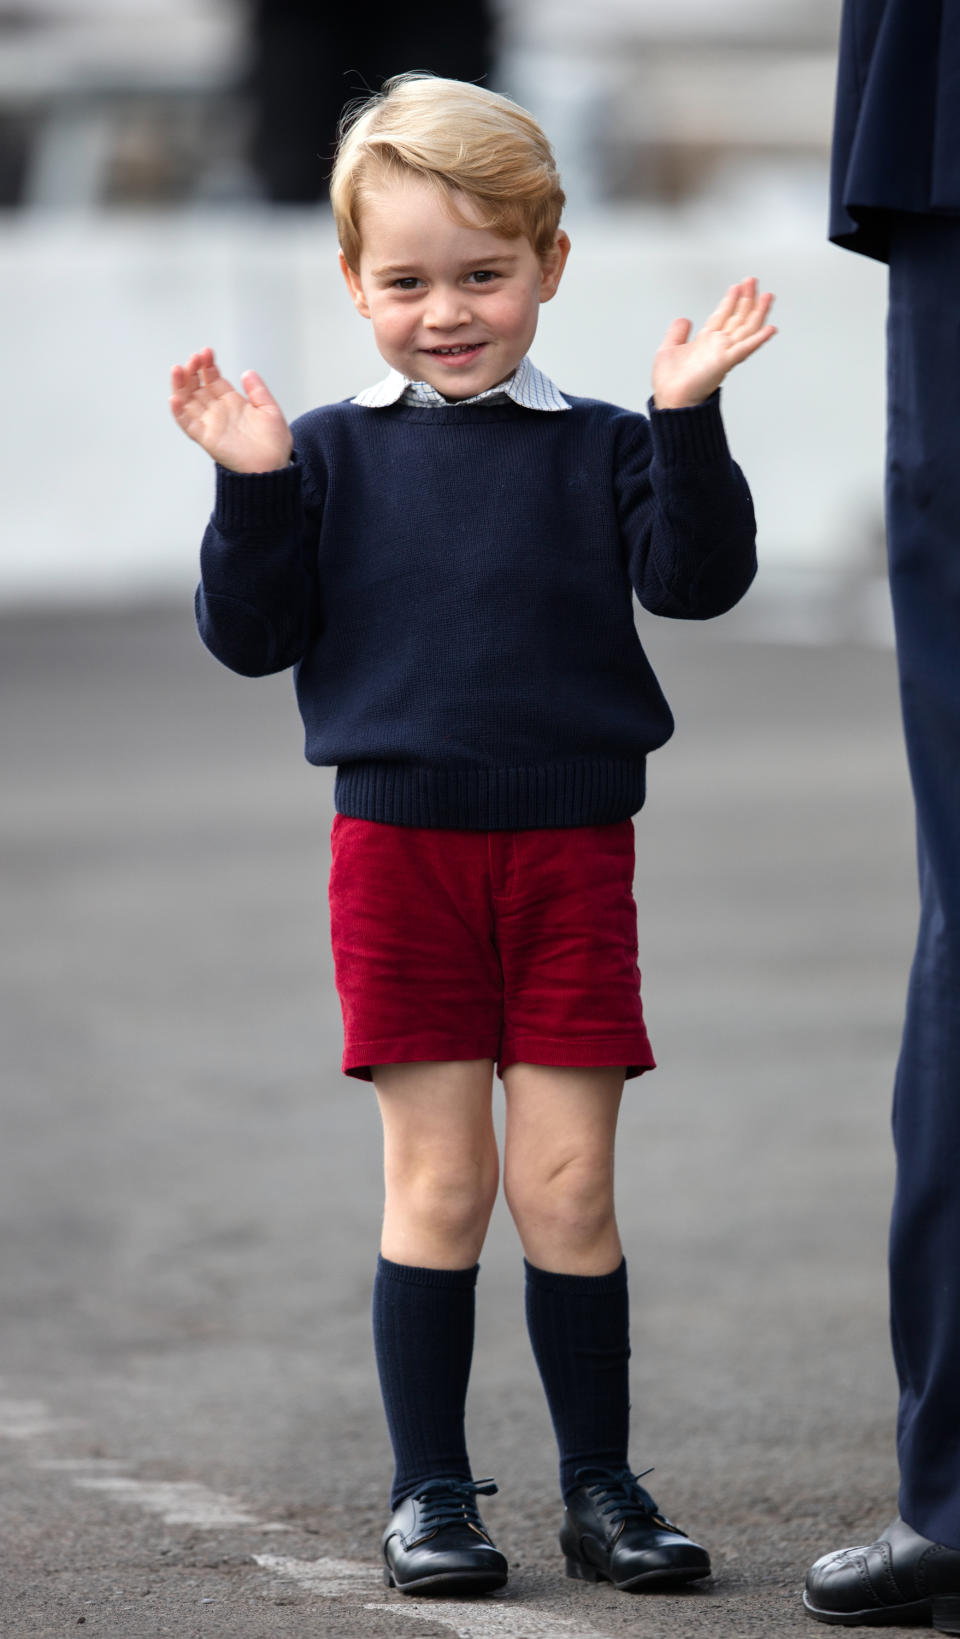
(552, 266)
(354, 286)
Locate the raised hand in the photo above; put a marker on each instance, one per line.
(245, 434)
(686, 372)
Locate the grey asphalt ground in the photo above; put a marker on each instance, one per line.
(189, 1189)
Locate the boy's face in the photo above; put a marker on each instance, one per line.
(453, 305)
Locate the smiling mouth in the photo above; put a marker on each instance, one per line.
(452, 352)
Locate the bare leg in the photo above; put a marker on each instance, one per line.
(441, 1166)
(558, 1165)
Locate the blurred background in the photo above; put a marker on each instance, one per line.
(163, 168)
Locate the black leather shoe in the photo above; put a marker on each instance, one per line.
(613, 1529)
(900, 1578)
(436, 1541)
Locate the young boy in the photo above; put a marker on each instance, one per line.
(448, 562)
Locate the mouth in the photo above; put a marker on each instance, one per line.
(461, 353)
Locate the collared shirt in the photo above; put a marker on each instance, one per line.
(528, 387)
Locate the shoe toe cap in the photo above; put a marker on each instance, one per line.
(667, 1558)
(448, 1555)
(840, 1582)
(678, 1556)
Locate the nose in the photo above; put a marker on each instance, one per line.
(446, 309)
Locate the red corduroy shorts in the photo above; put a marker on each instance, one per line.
(508, 945)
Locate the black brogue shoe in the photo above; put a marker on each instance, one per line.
(436, 1541)
(613, 1529)
(902, 1578)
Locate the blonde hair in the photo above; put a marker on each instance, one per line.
(459, 138)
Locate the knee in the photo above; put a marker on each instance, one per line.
(450, 1199)
(567, 1201)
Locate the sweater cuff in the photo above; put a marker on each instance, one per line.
(257, 501)
(690, 436)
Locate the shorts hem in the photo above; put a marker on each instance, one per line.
(584, 1052)
(360, 1056)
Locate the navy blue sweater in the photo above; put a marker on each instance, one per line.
(453, 587)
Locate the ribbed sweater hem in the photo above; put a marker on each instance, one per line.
(584, 792)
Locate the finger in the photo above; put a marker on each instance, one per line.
(182, 376)
(193, 385)
(755, 319)
(257, 391)
(745, 301)
(208, 377)
(677, 333)
(188, 378)
(183, 386)
(750, 321)
(723, 310)
(206, 367)
(181, 409)
(749, 345)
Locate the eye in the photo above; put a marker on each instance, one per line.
(406, 283)
(484, 276)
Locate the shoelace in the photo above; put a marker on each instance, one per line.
(452, 1502)
(621, 1496)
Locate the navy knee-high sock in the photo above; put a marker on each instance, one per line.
(579, 1327)
(423, 1321)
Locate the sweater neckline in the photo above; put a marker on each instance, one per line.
(427, 414)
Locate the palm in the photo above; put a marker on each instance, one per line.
(246, 434)
(686, 372)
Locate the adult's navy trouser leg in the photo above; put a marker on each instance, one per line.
(923, 526)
